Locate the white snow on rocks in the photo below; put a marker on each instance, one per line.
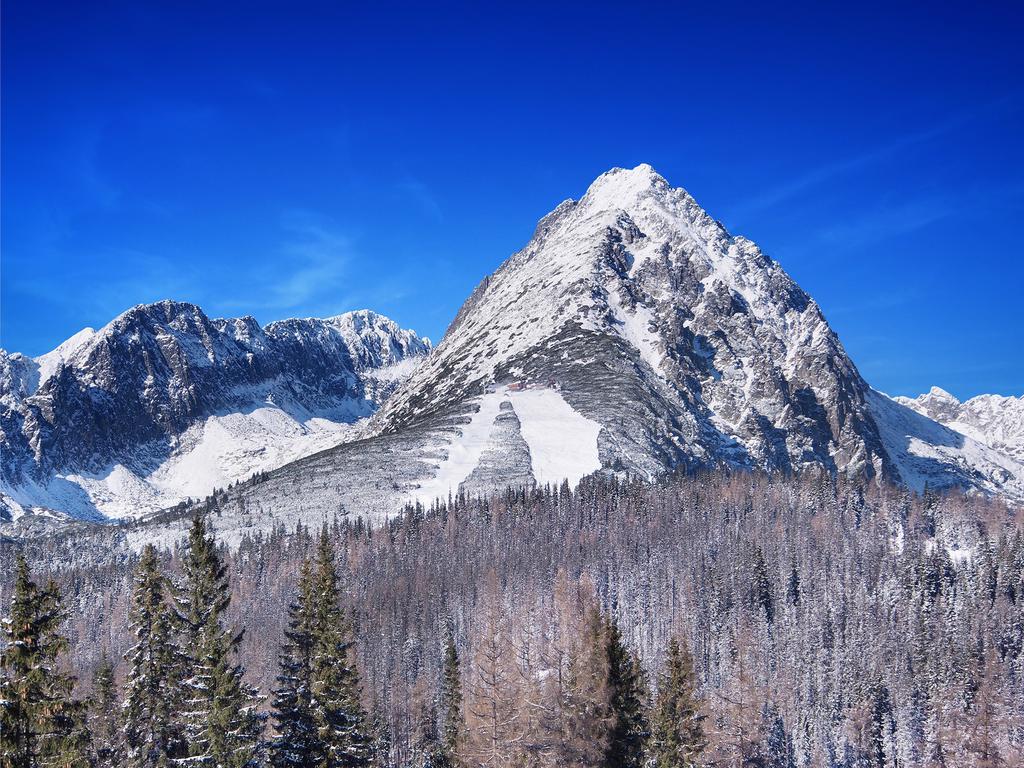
(562, 442)
(634, 325)
(51, 361)
(926, 452)
(994, 420)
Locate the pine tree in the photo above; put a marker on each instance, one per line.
(335, 693)
(881, 728)
(586, 717)
(103, 716)
(776, 749)
(40, 725)
(453, 724)
(677, 731)
(761, 591)
(627, 686)
(223, 727)
(296, 743)
(151, 736)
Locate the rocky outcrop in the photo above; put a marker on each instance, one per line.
(129, 396)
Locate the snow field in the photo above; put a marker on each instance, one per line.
(562, 442)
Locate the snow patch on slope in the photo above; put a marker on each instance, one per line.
(562, 441)
(994, 420)
(214, 453)
(51, 361)
(928, 454)
(463, 453)
(635, 327)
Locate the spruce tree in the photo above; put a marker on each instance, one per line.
(40, 725)
(223, 727)
(335, 694)
(103, 716)
(627, 687)
(453, 725)
(296, 743)
(152, 738)
(677, 732)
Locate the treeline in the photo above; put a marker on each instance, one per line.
(184, 700)
(578, 698)
(795, 622)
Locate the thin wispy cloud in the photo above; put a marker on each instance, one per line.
(873, 156)
(422, 196)
(885, 222)
(316, 258)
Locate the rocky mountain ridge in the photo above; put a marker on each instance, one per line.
(995, 420)
(108, 424)
(632, 335)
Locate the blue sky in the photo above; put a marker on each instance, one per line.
(291, 159)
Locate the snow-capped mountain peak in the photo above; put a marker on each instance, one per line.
(632, 334)
(719, 338)
(994, 420)
(164, 403)
(687, 345)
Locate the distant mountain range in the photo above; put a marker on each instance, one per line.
(164, 404)
(633, 334)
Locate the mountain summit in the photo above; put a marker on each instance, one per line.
(688, 345)
(685, 345)
(165, 403)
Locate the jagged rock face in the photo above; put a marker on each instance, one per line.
(687, 344)
(994, 420)
(632, 334)
(128, 394)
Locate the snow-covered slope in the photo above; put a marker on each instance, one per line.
(993, 420)
(633, 334)
(685, 346)
(930, 454)
(688, 346)
(164, 404)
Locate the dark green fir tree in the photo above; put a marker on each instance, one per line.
(627, 686)
(335, 692)
(40, 724)
(453, 724)
(296, 743)
(151, 735)
(677, 730)
(104, 720)
(223, 726)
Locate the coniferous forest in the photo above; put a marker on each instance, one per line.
(707, 620)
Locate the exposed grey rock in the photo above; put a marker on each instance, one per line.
(506, 461)
(132, 394)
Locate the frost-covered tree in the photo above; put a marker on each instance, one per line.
(677, 725)
(335, 702)
(453, 725)
(151, 734)
(104, 716)
(40, 724)
(627, 685)
(222, 723)
(296, 742)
